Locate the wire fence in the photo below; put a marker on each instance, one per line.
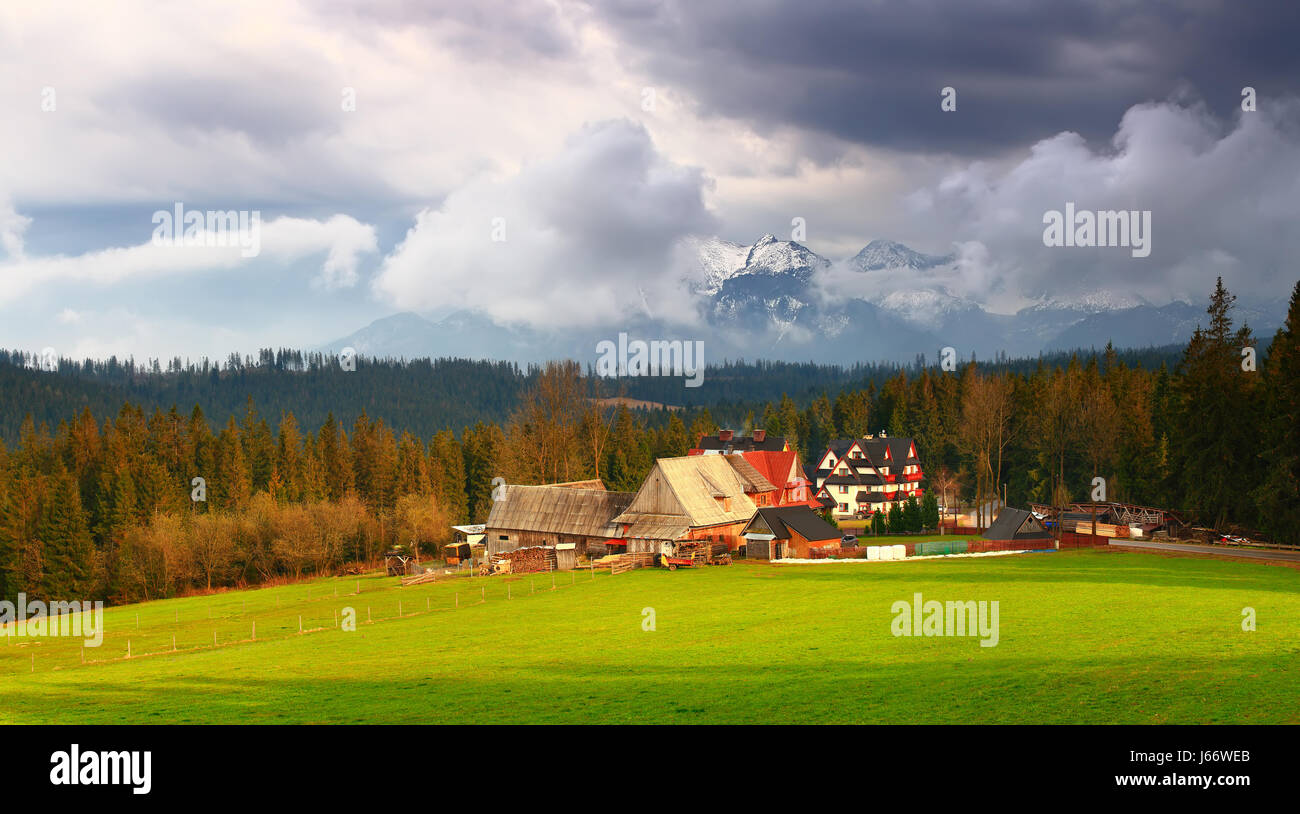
(229, 622)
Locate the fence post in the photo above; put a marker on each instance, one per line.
(128, 648)
(458, 599)
(399, 609)
(255, 629)
(300, 623)
(367, 613)
(214, 638)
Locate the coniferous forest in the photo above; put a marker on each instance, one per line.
(137, 482)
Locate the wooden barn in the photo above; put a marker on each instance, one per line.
(780, 532)
(696, 497)
(574, 521)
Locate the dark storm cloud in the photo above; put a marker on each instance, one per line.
(871, 72)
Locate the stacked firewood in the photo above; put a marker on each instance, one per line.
(531, 560)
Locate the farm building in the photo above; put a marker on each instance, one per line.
(562, 517)
(727, 442)
(697, 497)
(867, 475)
(771, 455)
(1017, 524)
(787, 531)
(783, 471)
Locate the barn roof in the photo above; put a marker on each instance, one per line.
(753, 478)
(594, 483)
(559, 510)
(690, 489)
(657, 527)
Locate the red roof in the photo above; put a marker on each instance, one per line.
(775, 466)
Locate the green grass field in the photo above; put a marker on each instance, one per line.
(1085, 637)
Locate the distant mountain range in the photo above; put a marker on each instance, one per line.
(778, 299)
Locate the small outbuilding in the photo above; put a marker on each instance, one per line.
(1017, 525)
(778, 532)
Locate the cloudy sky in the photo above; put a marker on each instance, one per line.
(540, 160)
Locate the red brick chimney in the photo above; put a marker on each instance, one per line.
(759, 435)
(725, 435)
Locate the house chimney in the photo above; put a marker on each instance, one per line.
(759, 435)
(725, 435)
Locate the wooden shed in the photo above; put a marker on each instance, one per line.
(779, 532)
(553, 516)
(1017, 524)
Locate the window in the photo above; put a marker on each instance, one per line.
(504, 537)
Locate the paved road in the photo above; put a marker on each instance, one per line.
(1285, 555)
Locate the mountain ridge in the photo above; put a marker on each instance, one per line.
(780, 300)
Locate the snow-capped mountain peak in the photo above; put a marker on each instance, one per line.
(771, 256)
(711, 261)
(885, 254)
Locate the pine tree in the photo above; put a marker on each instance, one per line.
(1217, 419)
(67, 551)
(929, 511)
(1278, 496)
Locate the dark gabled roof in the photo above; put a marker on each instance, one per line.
(1016, 524)
(873, 449)
(781, 519)
(743, 443)
(863, 497)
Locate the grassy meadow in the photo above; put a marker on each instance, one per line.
(1085, 637)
